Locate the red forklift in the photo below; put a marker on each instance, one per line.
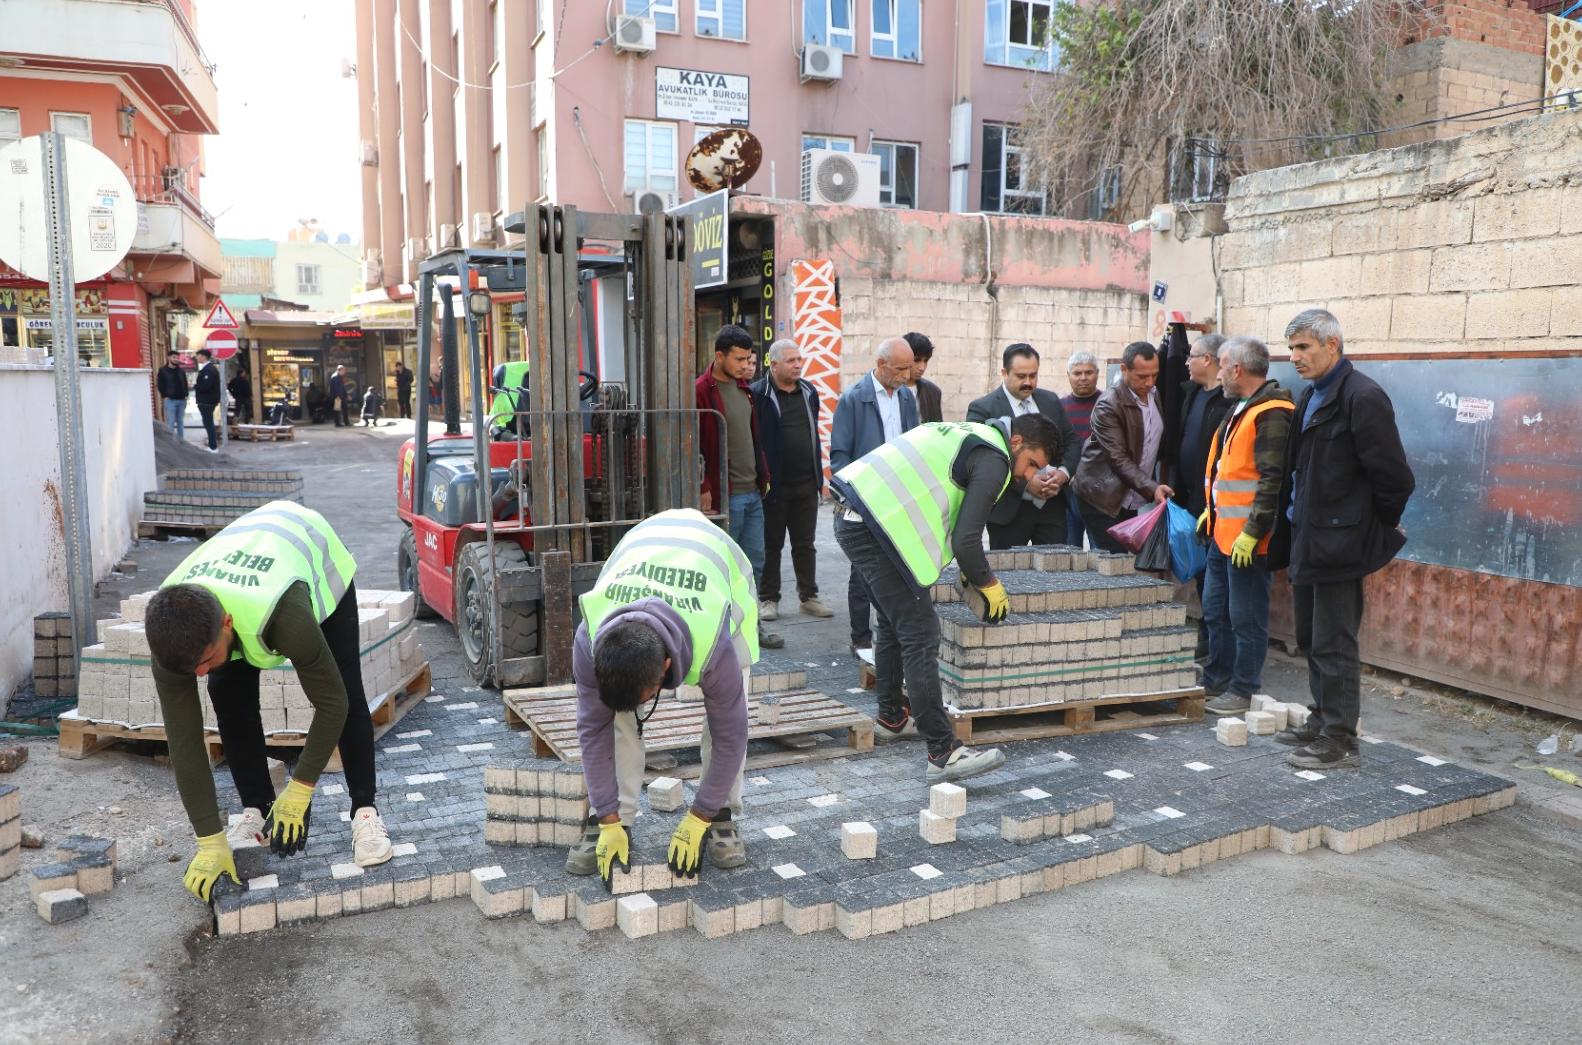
(574, 461)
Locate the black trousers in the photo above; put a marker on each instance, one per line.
(343, 413)
(1328, 618)
(233, 690)
(1098, 525)
(206, 412)
(1031, 525)
(406, 403)
(792, 509)
(858, 607)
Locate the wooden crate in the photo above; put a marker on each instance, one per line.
(1037, 721)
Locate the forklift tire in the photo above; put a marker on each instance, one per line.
(474, 592)
(406, 574)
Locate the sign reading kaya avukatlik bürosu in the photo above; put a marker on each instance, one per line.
(700, 96)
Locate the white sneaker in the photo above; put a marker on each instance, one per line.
(768, 611)
(370, 838)
(964, 762)
(247, 830)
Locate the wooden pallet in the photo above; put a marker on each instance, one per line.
(81, 737)
(1037, 721)
(162, 530)
(262, 433)
(551, 714)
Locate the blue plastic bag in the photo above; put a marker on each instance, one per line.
(1188, 556)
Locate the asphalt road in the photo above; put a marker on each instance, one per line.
(1467, 933)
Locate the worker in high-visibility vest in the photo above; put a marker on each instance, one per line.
(273, 586)
(674, 605)
(910, 506)
(1241, 486)
(510, 381)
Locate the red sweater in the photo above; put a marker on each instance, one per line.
(711, 435)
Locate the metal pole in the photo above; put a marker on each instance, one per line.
(225, 404)
(68, 402)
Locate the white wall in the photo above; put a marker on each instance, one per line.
(118, 440)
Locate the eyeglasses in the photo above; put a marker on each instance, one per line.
(1198, 355)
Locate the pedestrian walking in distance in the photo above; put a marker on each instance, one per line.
(172, 383)
(206, 393)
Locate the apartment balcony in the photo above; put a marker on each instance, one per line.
(150, 42)
(175, 241)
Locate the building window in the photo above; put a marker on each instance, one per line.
(541, 145)
(72, 125)
(650, 156)
(307, 279)
(1105, 195)
(829, 22)
(825, 141)
(898, 29)
(1016, 32)
(663, 12)
(726, 19)
(1007, 187)
(10, 125)
(897, 173)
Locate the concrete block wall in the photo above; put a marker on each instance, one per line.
(1460, 246)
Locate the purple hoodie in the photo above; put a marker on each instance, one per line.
(724, 703)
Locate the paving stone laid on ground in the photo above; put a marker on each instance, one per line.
(1176, 799)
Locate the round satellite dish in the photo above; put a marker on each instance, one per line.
(724, 159)
(99, 202)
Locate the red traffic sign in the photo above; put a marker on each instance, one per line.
(221, 343)
(220, 317)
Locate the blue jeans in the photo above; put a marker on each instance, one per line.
(1236, 608)
(176, 417)
(1075, 531)
(747, 530)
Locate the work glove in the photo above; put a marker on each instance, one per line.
(996, 602)
(1242, 551)
(1202, 524)
(615, 847)
(212, 860)
(288, 819)
(686, 845)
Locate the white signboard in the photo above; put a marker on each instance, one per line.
(95, 323)
(702, 97)
(103, 211)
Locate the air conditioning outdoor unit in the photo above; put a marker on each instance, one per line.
(850, 179)
(448, 238)
(373, 270)
(634, 34)
(370, 154)
(428, 245)
(482, 226)
(822, 63)
(651, 201)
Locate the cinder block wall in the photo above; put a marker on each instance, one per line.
(1460, 246)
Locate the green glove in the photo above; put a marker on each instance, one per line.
(686, 845)
(288, 819)
(997, 603)
(614, 847)
(212, 860)
(1202, 523)
(1242, 551)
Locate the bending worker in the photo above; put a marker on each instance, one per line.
(275, 585)
(673, 605)
(910, 507)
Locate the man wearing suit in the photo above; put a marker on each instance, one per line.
(1038, 514)
(870, 413)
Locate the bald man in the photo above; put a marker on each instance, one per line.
(871, 413)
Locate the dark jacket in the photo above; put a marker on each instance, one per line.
(930, 401)
(766, 412)
(206, 385)
(1110, 459)
(1270, 438)
(403, 382)
(172, 382)
(711, 433)
(1347, 482)
(338, 389)
(996, 404)
(1186, 474)
(857, 428)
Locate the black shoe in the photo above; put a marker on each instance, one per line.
(1300, 736)
(770, 640)
(1325, 753)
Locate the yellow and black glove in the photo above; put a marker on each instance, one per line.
(615, 847)
(996, 602)
(288, 819)
(212, 861)
(1202, 524)
(1241, 552)
(686, 845)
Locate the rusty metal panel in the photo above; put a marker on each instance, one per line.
(1504, 637)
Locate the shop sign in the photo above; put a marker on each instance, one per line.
(387, 317)
(286, 355)
(766, 298)
(700, 96)
(98, 324)
(708, 217)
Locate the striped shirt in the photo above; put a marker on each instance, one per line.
(1079, 410)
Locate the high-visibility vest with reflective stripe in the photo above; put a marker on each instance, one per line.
(250, 564)
(1230, 482)
(682, 558)
(908, 490)
(513, 376)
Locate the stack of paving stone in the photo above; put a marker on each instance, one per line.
(10, 830)
(81, 866)
(54, 661)
(525, 804)
(1082, 625)
(117, 683)
(210, 498)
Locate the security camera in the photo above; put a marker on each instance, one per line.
(1140, 225)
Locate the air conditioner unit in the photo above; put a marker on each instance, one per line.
(634, 35)
(850, 179)
(414, 249)
(370, 154)
(428, 245)
(448, 238)
(651, 201)
(822, 63)
(482, 226)
(373, 270)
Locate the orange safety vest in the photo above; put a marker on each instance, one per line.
(1231, 482)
